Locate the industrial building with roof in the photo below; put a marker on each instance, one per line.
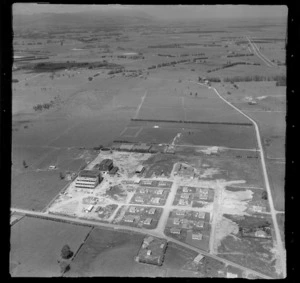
(88, 179)
(106, 165)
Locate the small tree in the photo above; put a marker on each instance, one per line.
(264, 195)
(64, 267)
(61, 175)
(66, 252)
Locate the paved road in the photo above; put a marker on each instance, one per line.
(137, 230)
(259, 54)
(279, 243)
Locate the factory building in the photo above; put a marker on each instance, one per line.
(106, 165)
(88, 179)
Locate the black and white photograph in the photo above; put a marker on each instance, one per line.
(148, 141)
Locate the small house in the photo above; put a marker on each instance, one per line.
(197, 236)
(175, 231)
(132, 209)
(148, 221)
(129, 218)
(180, 212)
(152, 210)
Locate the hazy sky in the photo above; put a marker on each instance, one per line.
(164, 11)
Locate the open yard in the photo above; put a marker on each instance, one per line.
(36, 246)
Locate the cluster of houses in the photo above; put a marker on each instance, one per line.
(133, 216)
(152, 251)
(179, 223)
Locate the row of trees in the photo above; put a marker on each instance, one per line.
(240, 55)
(280, 79)
(227, 65)
(40, 107)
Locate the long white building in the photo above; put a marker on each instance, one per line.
(88, 179)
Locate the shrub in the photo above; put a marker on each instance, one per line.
(66, 252)
(64, 267)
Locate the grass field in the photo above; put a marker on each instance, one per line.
(281, 224)
(276, 172)
(36, 245)
(34, 190)
(220, 135)
(111, 253)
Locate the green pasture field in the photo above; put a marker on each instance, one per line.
(30, 154)
(36, 246)
(33, 190)
(235, 136)
(281, 224)
(272, 126)
(161, 113)
(248, 70)
(110, 253)
(276, 173)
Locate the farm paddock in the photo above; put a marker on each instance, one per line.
(36, 246)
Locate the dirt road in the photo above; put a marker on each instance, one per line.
(259, 54)
(279, 242)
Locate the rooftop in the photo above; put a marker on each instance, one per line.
(106, 162)
(89, 173)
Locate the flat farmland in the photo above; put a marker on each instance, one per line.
(33, 190)
(162, 113)
(90, 133)
(250, 70)
(30, 154)
(219, 135)
(272, 126)
(154, 135)
(281, 224)
(36, 245)
(110, 253)
(276, 172)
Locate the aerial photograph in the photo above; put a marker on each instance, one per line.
(148, 141)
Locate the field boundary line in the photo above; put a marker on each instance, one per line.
(123, 131)
(139, 107)
(138, 132)
(81, 245)
(192, 122)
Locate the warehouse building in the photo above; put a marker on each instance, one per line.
(106, 165)
(88, 179)
(113, 171)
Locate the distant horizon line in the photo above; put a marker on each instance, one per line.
(170, 19)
